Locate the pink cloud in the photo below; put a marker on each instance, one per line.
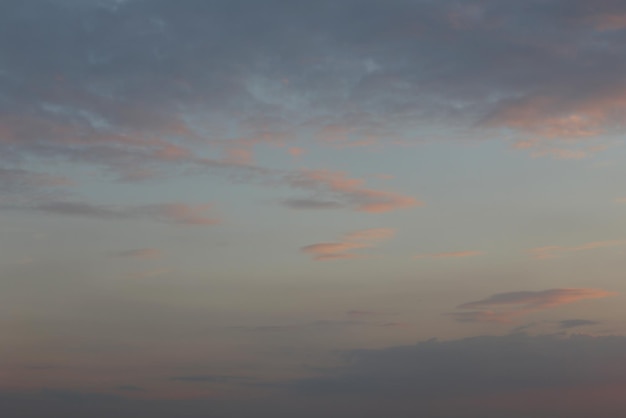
(504, 307)
(352, 192)
(332, 250)
(457, 254)
(172, 152)
(566, 120)
(368, 235)
(551, 117)
(186, 214)
(567, 151)
(355, 240)
(537, 300)
(239, 156)
(609, 22)
(296, 151)
(555, 251)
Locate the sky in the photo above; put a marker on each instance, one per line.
(338, 208)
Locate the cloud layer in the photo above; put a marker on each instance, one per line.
(139, 85)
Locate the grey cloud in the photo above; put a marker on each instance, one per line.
(140, 253)
(573, 323)
(211, 379)
(516, 376)
(76, 396)
(175, 213)
(97, 83)
(475, 366)
(311, 204)
(503, 307)
(129, 388)
(319, 325)
(14, 180)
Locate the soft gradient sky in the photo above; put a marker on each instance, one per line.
(339, 208)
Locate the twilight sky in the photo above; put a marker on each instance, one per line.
(339, 208)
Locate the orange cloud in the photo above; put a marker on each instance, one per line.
(352, 191)
(503, 307)
(555, 251)
(365, 238)
(457, 254)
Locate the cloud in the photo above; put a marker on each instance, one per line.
(125, 96)
(223, 379)
(349, 192)
(19, 180)
(311, 204)
(307, 328)
(364, 313)
(457, 254)
(365, 238)
(438, 373)
(483, 316)
(140, 253)
(129, 388)
(174, 213)
(515, 375)
(503, 307)
(573, 323)
(541, 299)
(296, 151)
(555, 251)
(146, 274)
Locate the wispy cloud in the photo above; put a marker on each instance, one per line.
(574, 323)
(341, 249)
(503, 307)
(349, 192)
(140, 253)
(557, 78)
(147, 274)
(456, 254)
(555, 251)
(174, 213)
(366, 313)
(217, 379)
